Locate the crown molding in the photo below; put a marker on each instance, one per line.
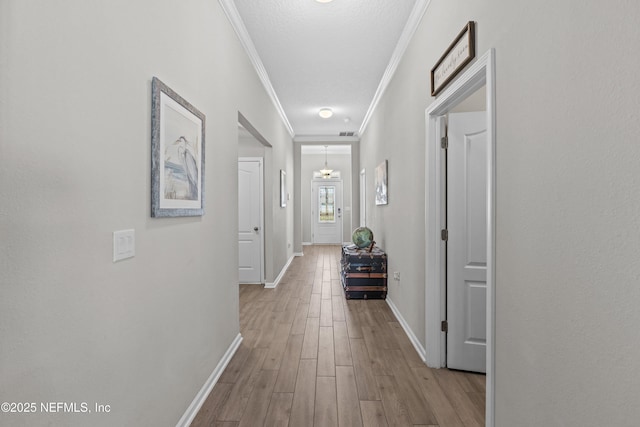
(231, 11)
(410, 28)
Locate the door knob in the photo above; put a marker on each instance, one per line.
(255, 229)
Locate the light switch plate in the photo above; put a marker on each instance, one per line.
(124, 244)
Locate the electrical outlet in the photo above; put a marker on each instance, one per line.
(396, 275)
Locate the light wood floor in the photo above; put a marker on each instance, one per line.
(312, 358)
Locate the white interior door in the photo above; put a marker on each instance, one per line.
(467, 241)
(326, 211)
(250, 221)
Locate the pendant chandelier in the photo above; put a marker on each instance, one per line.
(326, 172)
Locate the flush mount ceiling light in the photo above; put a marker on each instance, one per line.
(325, 113)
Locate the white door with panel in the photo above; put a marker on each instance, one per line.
(326, 211)
(250, 242)
(467, 241)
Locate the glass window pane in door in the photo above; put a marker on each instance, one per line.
(326, 203)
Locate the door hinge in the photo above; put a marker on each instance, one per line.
(444, 235)
(444, 142)
(444, 326)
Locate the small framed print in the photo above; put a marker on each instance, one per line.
(381, 184)
(283, 189)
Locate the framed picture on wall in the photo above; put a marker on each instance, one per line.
(283, 189)
(177, 154)
(459, 53)
(381, 184)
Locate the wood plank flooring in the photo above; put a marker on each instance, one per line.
(312, 358)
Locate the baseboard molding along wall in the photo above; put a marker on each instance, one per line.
(281, 275)
(412, 337)
(202, 395)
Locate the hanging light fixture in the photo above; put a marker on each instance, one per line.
(326, 172)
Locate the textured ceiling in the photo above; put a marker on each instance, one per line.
(325, 55)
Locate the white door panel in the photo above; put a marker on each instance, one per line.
(326, 212)
(467, 241)
(249, 221)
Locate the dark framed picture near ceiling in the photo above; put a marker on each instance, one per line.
(459, 53)
(177, 154)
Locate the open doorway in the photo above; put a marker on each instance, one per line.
(479, 75)
(253, 163)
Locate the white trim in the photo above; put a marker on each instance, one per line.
(280, 276)
(307, 243)
(202, 395)
(410, 28)
(298, 254)
(407, 330)
(260, 161)
(481, 73)
(233, 15)
(321, 139)
(491, 242)
(362, 198)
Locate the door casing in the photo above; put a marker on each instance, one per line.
(481, 73)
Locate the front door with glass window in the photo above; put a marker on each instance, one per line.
(326, 211)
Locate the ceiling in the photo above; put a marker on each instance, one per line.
(338, 55)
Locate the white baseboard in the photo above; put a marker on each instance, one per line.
(280, 276)
(202, 395)
(412, 337)
(298, 254)
(307, 243)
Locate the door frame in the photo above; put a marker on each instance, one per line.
(363, 198)
(313, 207)
(481, 73)
(260, 160)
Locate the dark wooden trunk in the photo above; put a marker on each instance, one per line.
(363, 273)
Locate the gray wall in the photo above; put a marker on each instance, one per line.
(142, 335)
(568, 223)
(250, 147)
(315, 162)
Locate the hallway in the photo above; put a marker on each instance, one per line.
(311, 358)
